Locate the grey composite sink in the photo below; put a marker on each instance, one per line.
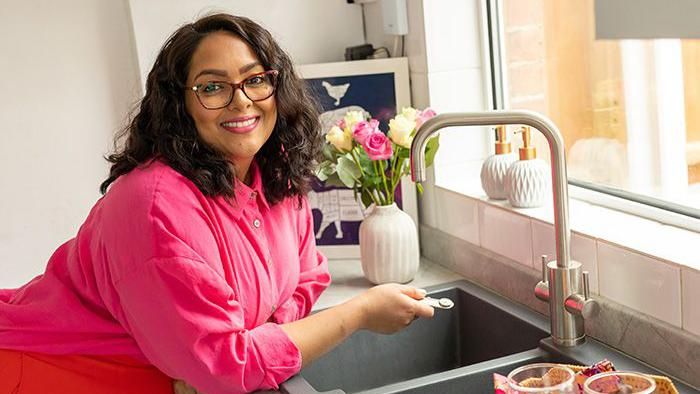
(481, 327)
(455, 352)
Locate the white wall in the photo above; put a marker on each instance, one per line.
(68, 77)
(70, 73)
(311, 31)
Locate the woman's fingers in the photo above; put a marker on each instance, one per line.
(413, 292)
(424, 310)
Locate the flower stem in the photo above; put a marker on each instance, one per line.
(388, 194)
(379, 197)
(377, 171)
(357, 161)
(396, 176)
(371, 195)
(393, 172)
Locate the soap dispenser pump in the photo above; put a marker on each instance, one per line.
(494, 168)
(527, 179)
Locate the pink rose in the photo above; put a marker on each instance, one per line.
(341, 124)
(424, 115)
(377, 146)
(364, 129)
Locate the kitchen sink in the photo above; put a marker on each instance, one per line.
(478, 328)
(476, 378)
(457, 351)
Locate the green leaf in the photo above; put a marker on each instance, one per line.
(365, 162)
(419, 187)
(371, 181)
(403, 152)
(348, 171)
(334, 180)
(431, 149)
(328, 152)
(324, 170)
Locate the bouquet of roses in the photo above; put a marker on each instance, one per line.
(360, 156)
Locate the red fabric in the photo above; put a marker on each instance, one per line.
(34, 373)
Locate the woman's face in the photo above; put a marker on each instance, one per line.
(240, 129)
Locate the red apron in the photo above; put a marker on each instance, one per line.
(34, 373)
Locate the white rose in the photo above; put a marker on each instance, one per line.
(340, 139)
(400, 129)
(409, 113)
(351, 119)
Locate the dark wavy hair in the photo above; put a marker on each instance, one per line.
(162, 129)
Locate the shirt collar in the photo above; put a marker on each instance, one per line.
(257, 184)
(256, 191)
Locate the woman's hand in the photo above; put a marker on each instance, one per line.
(384, 309)
(391, 307)
(180, 387)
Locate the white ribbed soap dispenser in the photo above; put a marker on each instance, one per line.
(527, 179)
(494, 169)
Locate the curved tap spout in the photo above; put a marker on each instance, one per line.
(562, 282)
(560, 189)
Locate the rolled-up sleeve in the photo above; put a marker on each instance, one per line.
(188, 323)
(314, 277)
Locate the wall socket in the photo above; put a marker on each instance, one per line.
(394, 15)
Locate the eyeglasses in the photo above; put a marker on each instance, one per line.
(219, 94)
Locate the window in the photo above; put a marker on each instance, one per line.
(629, 110)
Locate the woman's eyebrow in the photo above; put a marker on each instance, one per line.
(248, 67)
(221, 73)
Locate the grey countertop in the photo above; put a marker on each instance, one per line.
(348, 280)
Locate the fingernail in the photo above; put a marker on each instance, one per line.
(422, 292)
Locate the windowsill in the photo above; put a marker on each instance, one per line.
(669, 243)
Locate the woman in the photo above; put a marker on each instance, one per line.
(199, 262)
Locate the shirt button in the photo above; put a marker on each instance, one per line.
(256, 223)
(269, 262)
(253, 195)
(274, 308)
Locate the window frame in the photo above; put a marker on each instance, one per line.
(645, 206)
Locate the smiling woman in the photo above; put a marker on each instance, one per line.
(248, 120)
(199, 263)
(212, 55)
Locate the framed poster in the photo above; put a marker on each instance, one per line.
(379, 87)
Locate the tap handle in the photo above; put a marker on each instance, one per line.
(582, 305)
(542, 288)
(545, 277)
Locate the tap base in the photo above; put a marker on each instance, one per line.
(565, 342)
(566, 327)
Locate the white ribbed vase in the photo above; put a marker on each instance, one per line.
(389, 245)
(493, 173)
(527, 183)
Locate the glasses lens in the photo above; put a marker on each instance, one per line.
(214, 94)
(259, 87)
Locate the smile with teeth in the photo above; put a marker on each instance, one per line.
(244, 123)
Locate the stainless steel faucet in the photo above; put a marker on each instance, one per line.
(564, 284)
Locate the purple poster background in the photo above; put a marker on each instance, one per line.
(337, 215)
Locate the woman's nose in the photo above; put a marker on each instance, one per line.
(239, 100)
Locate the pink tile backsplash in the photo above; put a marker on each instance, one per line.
(640, 282)
(505, 233)
(690, 285)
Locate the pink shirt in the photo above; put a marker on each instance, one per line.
(192, 284)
